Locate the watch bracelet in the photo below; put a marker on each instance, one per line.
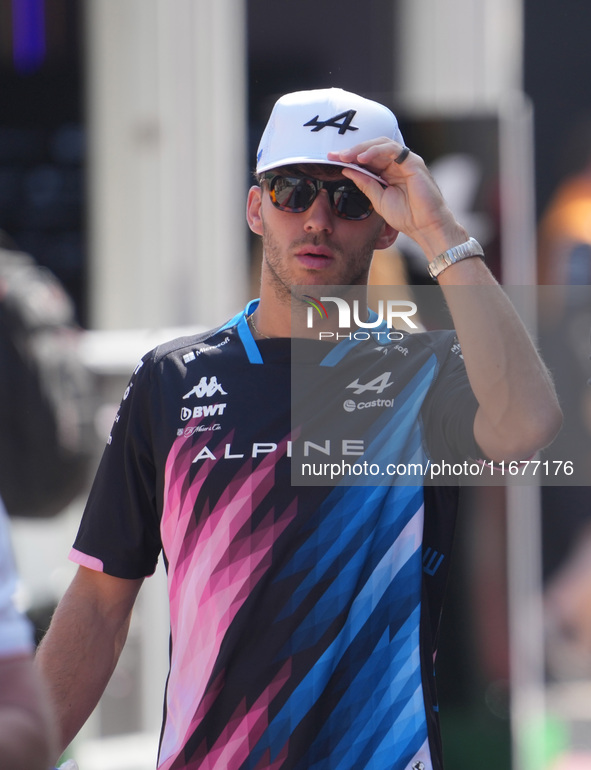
(467, 250)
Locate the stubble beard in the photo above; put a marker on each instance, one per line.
(355, 269)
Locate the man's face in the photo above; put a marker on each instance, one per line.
(316, 246)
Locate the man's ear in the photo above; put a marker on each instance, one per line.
(253, 210)
(386, 237)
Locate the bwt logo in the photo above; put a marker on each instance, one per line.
(348, 317)
(207, 410)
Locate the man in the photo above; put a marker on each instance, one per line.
(25, 722)
(302, 629)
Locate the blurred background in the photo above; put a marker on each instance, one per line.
(128, 134)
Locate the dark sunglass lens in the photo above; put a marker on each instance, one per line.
(292, 194)
(296, 194)
(351, 203)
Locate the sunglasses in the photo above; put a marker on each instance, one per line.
(297, 194)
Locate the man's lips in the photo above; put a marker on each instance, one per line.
(314, 257)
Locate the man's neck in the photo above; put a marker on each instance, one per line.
(290, 316)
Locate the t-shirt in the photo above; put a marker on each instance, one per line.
(16, 636)
(304, 617)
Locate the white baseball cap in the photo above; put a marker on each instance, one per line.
(305, 126)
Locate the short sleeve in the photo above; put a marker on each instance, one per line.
(119, 533)
(449, 410)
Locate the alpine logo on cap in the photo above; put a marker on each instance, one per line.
(344, 125)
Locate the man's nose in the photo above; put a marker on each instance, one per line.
(320, 216)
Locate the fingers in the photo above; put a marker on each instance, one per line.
(378, 155)
(409, 200)
(368, 186)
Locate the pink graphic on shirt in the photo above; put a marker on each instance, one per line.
(215, 558)
(242, 732)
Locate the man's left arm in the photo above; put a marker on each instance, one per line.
(518, 411)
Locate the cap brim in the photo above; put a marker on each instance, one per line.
(295, 161)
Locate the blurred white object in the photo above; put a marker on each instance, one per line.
(123, 752)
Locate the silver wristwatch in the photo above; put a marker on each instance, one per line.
(471, 248)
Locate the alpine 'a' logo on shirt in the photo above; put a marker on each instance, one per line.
(344, 125)
(377, 385)
(206, 388)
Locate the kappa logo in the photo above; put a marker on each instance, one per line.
(206, 388)
(342, 121)
(377, 385)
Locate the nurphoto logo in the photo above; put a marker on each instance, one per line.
(348, 317)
